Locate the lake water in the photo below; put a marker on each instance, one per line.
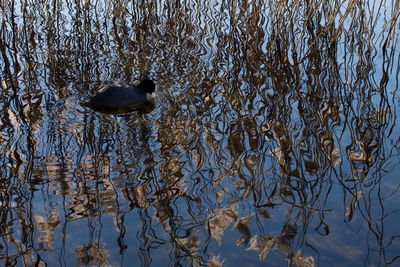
(274, 138)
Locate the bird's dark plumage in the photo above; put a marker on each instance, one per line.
(126, 97)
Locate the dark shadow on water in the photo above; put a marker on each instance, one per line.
(141, 108)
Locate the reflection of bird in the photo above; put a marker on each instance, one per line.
(114, 98)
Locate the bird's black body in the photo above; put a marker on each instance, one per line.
(122, 98)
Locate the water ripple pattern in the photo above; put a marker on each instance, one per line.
(273, 140)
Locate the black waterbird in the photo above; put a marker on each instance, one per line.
(117, 98)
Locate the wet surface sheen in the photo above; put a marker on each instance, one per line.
(274, 137)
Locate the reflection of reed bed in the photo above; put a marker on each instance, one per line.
(268, 109)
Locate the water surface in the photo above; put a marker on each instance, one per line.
(274, 137)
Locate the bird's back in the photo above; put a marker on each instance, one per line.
(117, 96)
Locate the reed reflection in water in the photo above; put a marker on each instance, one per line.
(273, 139)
